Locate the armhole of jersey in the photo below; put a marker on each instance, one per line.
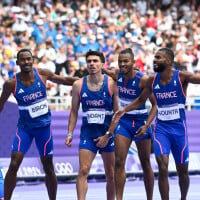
(81, 88)
(153, 81)
(40, 76)
(15, 85)
(181, 84)
(139, 75)
(109, 90)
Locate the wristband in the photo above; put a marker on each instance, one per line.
(109, 134)
(69, 135)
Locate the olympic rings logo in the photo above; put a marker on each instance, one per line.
(63, 168)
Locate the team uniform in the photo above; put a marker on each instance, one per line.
(132, 120)
(1, 184)
(34, 117)
(170, 125)
(97, 112)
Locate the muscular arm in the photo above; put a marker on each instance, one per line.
(152, 113)
(113, 86)
(188, 77)
(153, 110)
(8, 88)
(73, 112)
(48, 75)
(146, 92)
(74, 107)
(113, 73)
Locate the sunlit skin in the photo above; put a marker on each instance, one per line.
(160, 61)
(163, 65)
(25, 61)
(122, 143)
(27, 76)
(125, 63)
(94, 82)
(94, 64)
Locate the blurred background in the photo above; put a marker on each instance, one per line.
(59, 33)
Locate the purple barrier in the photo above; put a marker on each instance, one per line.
(193, 130)
(9, 116)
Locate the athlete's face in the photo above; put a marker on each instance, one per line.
(125, 62)
(160, 61)
(25, 61)
(94, 64)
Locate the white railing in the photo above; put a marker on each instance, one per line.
(64, 102)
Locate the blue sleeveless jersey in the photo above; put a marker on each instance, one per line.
(32, 103)
(97, 109)
(128, 92)
(170, 98)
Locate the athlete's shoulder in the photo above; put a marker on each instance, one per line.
(9, 85)
(42, 72)
(10, 82)
(78, 83)
(109, 78)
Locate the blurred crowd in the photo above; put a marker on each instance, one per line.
(59, 33)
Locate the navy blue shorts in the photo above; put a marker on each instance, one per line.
(129, 127)
(43, 139)
(89, 144)
(171, 136)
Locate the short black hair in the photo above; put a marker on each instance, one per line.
(168, 52)
(129, 51)
(96, 53)
(23, 50)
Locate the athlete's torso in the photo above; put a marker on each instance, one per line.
(97, 109)
(128, 92)
(32, 103)
(170, 98)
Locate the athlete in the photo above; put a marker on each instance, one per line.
(28, 87)
(134, 125)
(98, 96)
(169, 88)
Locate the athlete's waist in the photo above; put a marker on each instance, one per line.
(138, 112)
(166, 106)
(27, 107)
(106, 112)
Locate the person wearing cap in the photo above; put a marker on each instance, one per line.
(82, 48)
(38, 32)
(51, 31)
(93, 44)
(59, 41)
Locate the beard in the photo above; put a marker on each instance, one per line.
(159, 67)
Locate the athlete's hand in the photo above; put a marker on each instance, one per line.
(141, 131)
(68, 141)
(102, 141)
(118, 114)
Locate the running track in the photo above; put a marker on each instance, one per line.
(134, 189)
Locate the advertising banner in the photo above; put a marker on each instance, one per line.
(67, 167)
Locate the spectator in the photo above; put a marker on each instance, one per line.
(155, 24)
